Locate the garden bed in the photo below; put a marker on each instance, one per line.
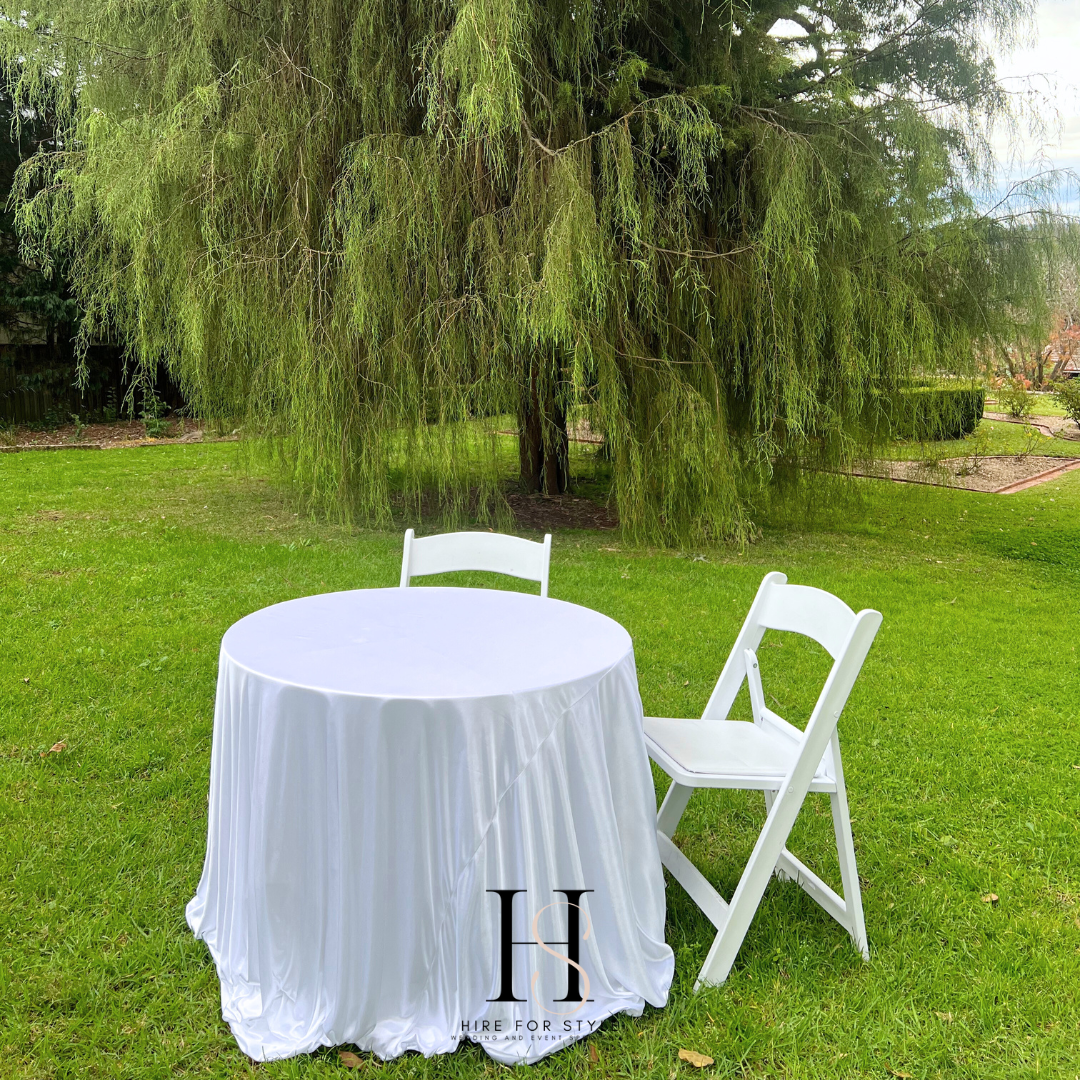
(545, 513)
(1061, 426)
(994, 474)
(107, 436)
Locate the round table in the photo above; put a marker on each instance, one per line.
(431, 819)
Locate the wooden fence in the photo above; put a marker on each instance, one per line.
(35, 387)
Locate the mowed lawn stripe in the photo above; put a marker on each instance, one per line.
(120, 571)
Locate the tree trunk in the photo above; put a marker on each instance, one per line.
(543, 461)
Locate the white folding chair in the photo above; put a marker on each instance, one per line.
(496, 552)
(772, 756)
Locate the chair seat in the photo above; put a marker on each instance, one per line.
(724, 753)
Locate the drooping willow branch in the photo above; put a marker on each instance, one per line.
(371, 232)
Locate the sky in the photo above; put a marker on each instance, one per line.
(1051, 65)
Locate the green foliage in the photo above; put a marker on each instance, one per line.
(355, 225)
(152, 414)
(1032, 441)
(1067, 395)
(39, 316)
(932, 413)
(1015, 398)
(111, 411)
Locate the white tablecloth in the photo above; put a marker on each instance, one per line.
(383, 760)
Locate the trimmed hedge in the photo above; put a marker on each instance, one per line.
(933, 413)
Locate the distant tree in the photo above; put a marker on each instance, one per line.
(1028, 349)
(725, 233)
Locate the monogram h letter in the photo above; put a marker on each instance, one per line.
(507, 943)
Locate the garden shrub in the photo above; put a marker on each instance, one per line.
(1067, 395)
(1014, 397)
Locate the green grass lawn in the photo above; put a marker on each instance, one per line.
(991, 438)
(120, 571)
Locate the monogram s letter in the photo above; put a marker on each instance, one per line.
(575, 973)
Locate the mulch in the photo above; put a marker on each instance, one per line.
(112, 436)
(548, 512)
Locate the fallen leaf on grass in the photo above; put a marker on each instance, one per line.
(945, 1018)
(990, 898)
(594, 1054)
(54, 749)
(349, 1059)
(699, 1061)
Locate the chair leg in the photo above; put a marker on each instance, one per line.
(671, 809)
(849, 873)
(771, 856)
(678, 865)
(751, 887)
(740, 913)
(770, 798)
(847, 910)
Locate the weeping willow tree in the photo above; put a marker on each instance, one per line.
(725, 234)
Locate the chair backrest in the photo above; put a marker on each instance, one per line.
(801, 609)
(816, 614)
(497, 552)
